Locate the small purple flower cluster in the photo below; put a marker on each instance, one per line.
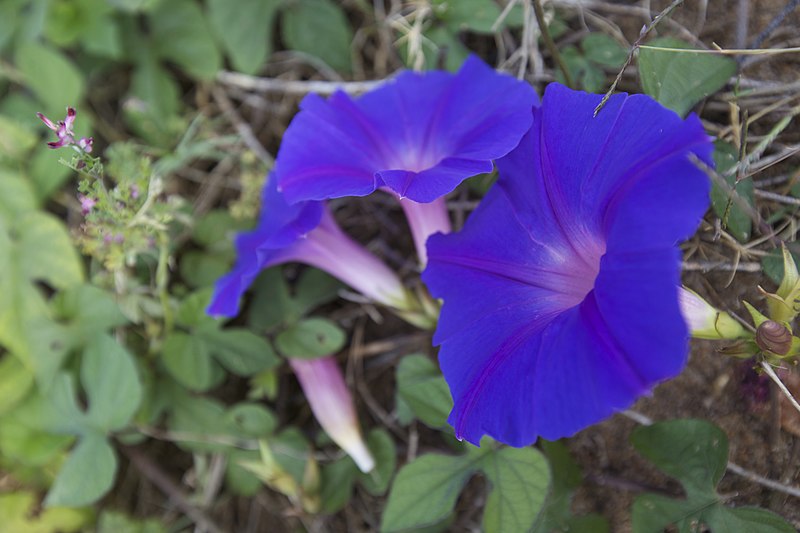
(560, 295)
(66, 136)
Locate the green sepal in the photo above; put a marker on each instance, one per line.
(782, 304)
(758, 318)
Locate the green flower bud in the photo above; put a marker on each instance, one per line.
(704, 321)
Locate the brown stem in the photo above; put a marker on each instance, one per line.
(550, 44)
(160, 479)
(636, 43)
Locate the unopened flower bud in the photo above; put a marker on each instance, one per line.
(332, 405)
(773, 337)
(705, 321)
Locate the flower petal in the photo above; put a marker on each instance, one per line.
(423, 134)
(277, 238)
(637, 295)
(493, 266)
(663, 207)
(329, 150)
(427, 186)
(280, 223)
(249, 264)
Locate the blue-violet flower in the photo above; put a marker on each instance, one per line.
(561, 293)
(304, 232)
(417, 137)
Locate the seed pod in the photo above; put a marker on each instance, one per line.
(773, 337)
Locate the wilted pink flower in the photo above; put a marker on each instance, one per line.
(65, 133)
(332, 405)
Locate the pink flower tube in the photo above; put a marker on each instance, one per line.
(332, 405)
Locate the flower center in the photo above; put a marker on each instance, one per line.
(578, 269)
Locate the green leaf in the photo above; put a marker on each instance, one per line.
(112, 384)
(440, 44)
(425, 491)
(88, 310)
(197, 421)
(271, 303)
(291, 450)
(15, 382)
(603, 50)
(16, 142)
(181, 34)
(310, 339)
(678, 80)
(29, 446)
(16, 195)
(134, 6)
(57, 263)
(20, 515)
(566, 477)
(381, 444)
(66, 22)
(50, 75)
(467, 15)
(117, 522)
(734, 218)
(102, 37)
(693, 451)
(592, 79)
(187, 359)
(34, 247)
(8, 21)
(313, 289)
(157, 90)
(575, 63)
(252, 419)
(31, 25)
(46, 171)
(318, 28)
(239, 479)
(755, 520)
(215, 230)
(245, 29)
(192, 310)
(336, 485)
(87, 474)
(239, 351)
(520, 480)
(201, 269)
(772, 264)
(696, 453)
(421, 386)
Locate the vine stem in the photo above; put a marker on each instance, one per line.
(642, 34)
(550, 44)
(774, 377)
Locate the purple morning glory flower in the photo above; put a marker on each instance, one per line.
(416, 137)
(307, 233)
(561, 293)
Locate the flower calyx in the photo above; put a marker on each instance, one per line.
(704, 320)
(773, 337)
(784, 304)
